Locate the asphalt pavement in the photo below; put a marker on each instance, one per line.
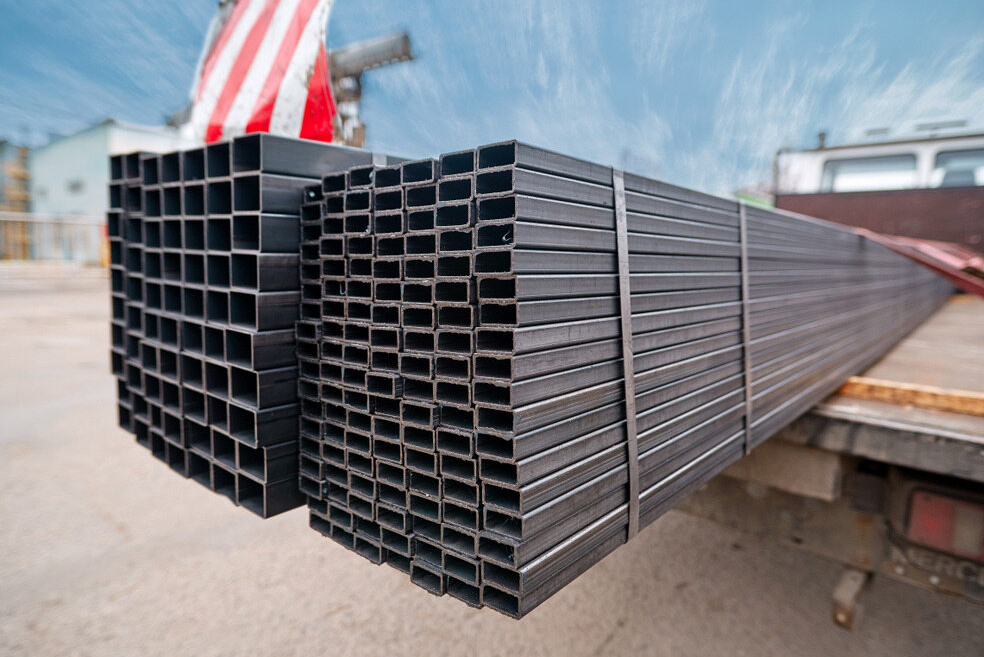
(105, 551)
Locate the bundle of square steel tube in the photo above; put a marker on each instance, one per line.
(463, 382)
(204, 252)
(488, 370)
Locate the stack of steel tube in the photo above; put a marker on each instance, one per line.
(204, 251)
(473, 428)
(824, 302)
(487, 370)
(396, 333)
(549, 383)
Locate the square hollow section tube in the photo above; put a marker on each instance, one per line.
(202, 308)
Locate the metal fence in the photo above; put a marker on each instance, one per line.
(37, 236)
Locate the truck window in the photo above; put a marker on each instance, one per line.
(869, 173)
(959, 168)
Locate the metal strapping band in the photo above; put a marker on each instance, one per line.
(746, 328)
(628, 371)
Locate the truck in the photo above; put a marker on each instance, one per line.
(926, 181)
(886, 476)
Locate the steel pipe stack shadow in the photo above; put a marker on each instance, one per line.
(204, 250)
(472, 426)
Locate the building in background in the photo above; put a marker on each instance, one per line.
(66, 181)
(70, 174)
(926, 183)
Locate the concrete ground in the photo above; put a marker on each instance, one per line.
(104, 551)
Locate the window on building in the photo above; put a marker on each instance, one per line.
(75, 186)
(869, 173)
(959, 168)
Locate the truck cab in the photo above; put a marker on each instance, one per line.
(927, 183)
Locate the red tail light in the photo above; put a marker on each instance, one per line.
(946, 524)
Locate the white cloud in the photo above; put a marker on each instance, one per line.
(949, 86)
(85, 61)
(777, 95)
(660, 31)
(643, 84)
(543, 65)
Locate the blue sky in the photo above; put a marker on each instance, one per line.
(699, 93)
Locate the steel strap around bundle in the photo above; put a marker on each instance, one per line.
(746, 329)
(628, 371)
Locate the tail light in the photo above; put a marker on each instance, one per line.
(947, 524)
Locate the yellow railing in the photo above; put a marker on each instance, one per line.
(35, 236)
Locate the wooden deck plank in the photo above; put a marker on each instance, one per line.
(947, 351)
(910, 394)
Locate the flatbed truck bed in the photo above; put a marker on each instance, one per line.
(879, 476)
